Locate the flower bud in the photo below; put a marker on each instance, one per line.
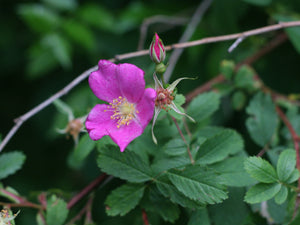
(157, 50)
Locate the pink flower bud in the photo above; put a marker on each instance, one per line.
(157, 50)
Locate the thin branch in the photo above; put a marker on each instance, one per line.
(19, 121)
(184, 140)
(94, 184)
(196, 19)
(158, 19)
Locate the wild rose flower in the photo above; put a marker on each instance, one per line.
(130, 106)
(164, 100)
(157, 50)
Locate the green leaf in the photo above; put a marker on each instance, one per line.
(159, 204)
(232, 211)
(260, 169)
(293, 177)
(292, 32)
(123, 199)
(56, 212)
(38, 17)
(59, 47)
(10, 163)
(263, 121)
(238, 100)
(199, 184)
(218, 147)
(198, 217)
(244, 78)
(232, 172)
(203, 106)
(125, 165)
(259, 2)
(79, 33)
(286, 164)
(281, 196)
(105, 19)
(227, 68)
(165, 186)
(262, 192)
(62, 5)
(175, 147)
(82, 150)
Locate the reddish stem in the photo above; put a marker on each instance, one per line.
(295, 137)
(145, 217)
(183, 138)
(94, 184)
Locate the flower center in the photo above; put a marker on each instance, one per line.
(124, 111)
(164, 98)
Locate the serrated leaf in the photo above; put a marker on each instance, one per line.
(260, 169)
(166, 163)
(198, 217)
(10, 163)
(175, 147)
(232, 172)
(56, 212)
(218, 147)
(159, 204)
(198, 183)
(82, 150)
(123, 199)
(203, 106)
(263, 119)
(125, 165)
(262, 192)
(286, 164)
(293, 177)
(281, 196)
(165, 186)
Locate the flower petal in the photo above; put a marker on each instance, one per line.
(99, 122)
(131, 82)
(125, 134)
(104, 81)
(145, 107)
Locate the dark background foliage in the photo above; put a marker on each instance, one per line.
(44, 44)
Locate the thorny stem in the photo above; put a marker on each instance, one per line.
(183, 138)
(94, 184)
(19, 121)
(145, 217)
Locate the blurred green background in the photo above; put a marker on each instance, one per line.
(45, 44)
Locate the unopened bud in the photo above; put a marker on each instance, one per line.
(157, 50)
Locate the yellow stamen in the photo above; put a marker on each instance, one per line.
(124, 112)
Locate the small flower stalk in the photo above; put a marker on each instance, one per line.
(164, 100)
(157, 54)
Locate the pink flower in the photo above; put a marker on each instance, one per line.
(157, 50)
(130, 107)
